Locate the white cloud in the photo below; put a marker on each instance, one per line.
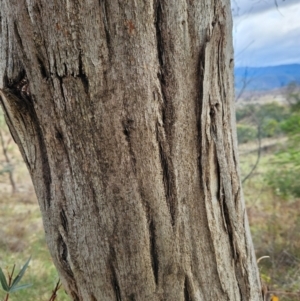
(267, 36)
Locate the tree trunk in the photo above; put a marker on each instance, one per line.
(123, 112)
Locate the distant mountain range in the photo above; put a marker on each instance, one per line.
(266, 78)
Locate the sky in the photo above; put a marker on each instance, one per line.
(266, 32)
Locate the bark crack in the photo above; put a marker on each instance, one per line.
(60, 79)
(153, 251)
(167, 109)
(18, 36)
(63, 256)
(115, 283)
(187, 294)
(65, 269)
(168, 175)
(103, 5)
(43, 70)
(113, 274)
(82, 75)
(128, 126)
(64, 220)
(159, 40)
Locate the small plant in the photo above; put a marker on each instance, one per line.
(10, 285)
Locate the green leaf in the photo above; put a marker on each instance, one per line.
(21, 274)
(17, 288)
(3, 281)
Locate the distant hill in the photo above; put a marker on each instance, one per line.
(266, 78)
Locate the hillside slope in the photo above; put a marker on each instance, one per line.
(266, 78)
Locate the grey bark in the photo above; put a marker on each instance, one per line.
(123, 112)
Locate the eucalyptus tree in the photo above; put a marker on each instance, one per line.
(123, 112)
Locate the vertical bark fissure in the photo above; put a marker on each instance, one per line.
(157, 23)
(128, 125)
(62, 142)
(168, 174)
(164, 133)
(60, 80)
(168, 183)
(61, 86)
(63, 257)
(39, 40)
(153, 250)
(81, 74)
(104, 13)
(187, 294)
(64, 220)
(18, 37)
(115, 283)
(44, 72)
(243, 286)
(62, 251)
(46, 170)
(162, 72)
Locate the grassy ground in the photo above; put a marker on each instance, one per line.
(275, 225)
(22, 236)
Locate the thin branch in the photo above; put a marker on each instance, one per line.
(258, 155)
(244, 86)
(54, 292)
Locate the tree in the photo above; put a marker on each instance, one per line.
(123, 112)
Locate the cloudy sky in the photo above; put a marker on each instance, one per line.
(266, 32)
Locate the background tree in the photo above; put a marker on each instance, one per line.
(124, 115)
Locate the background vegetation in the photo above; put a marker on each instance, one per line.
(272, 192)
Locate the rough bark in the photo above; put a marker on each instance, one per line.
(123, 112)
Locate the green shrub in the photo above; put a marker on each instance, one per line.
(246, 133)
(284, 182)
(273, 111)
(284, 179)
(269, 118)
(244, 112)
(291, 125)
(270, 128)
